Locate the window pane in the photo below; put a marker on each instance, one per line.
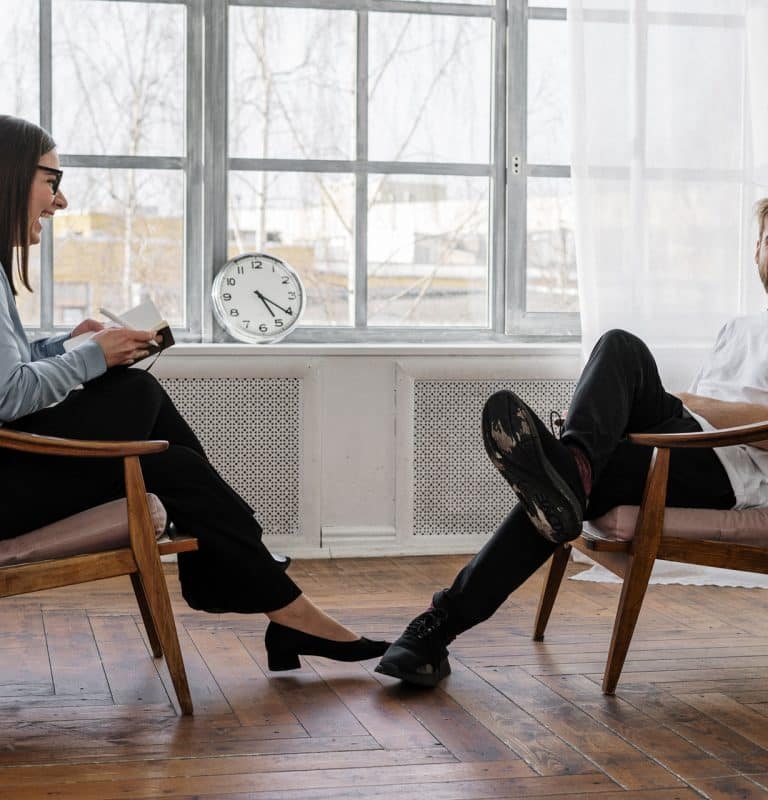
(28, 303)
(306, 219)
(19, 68)
(465, 2)
(118, 82)
(120, 241)
(547, 93)
(607, 103)
(428, 244)
(698, 7)
(429, 88)
(291, 83)
(694, 106)
(551, 277)
(691, 259)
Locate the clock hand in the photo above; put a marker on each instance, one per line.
(264, 300)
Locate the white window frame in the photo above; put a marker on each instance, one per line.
(190, 165)
(206, 166)
(520, 321)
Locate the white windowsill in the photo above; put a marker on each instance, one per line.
(384, 349)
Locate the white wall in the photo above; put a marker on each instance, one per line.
(356, 450)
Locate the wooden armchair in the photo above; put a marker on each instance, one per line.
(122, 541)
(728, 539)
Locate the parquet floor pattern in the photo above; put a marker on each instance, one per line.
(85, 713)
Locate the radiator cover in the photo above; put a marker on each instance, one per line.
(456, 489)
(251, 430)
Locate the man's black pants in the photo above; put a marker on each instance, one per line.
(619, 392)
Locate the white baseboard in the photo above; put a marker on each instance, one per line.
(342, 541)
(362, 537)
(446, 545)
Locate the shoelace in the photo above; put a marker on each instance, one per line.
(556, 423)
(425, 624)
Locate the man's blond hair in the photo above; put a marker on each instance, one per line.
(761, 212)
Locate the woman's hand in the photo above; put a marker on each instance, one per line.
(123, 345)
(86, 326)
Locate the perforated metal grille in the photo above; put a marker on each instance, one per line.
(250, 429)
(456, 488)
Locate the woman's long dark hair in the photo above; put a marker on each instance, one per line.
(21, 145)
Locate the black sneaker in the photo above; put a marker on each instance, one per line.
(420, 655)
(541, 470)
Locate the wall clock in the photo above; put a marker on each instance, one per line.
(257, 298)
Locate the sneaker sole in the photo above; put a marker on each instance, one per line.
(418, 678)
(514, 446)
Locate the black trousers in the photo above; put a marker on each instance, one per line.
(231, 571)
(619, 392)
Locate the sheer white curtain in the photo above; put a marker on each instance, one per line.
(669, 104)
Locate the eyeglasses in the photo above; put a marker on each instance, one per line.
(59, 173)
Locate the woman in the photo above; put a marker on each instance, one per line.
(41, 392)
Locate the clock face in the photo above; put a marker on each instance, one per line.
(257, 298)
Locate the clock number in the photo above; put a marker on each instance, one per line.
(233, 312)
(289, 310)
(246, 323)
(240, 269)
(284, 280)
(226, 296)
(263, 328)
(291, 295)
(279, 323)
(231, 281)
(256, 264)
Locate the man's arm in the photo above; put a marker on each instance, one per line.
(722, 414)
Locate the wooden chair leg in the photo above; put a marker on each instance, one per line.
(631, 600)
(159, 606)
(153, 580)
(141, 599)
(549, 590)
(645, 544)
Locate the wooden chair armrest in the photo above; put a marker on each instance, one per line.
(56, 446)
(724, 437)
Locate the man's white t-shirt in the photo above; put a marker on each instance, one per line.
(737, 371)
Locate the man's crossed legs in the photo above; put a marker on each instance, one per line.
(589, 470)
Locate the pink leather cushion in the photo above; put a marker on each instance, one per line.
(103, 527)
(745, 527)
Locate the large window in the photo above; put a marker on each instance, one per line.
(409, 159)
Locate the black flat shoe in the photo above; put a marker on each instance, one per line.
(285, 645)
(281, 560)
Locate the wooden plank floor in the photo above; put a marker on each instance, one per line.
(85, 712)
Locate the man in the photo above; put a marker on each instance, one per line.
(593, 467)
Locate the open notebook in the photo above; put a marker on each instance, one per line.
(145, 317)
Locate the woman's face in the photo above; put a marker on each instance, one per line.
(42, 200)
